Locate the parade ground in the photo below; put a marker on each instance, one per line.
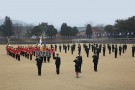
(113, 73)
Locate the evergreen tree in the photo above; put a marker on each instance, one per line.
(51, 31)
(7, 27)
(88, 30)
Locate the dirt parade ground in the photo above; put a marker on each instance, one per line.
(113, 73)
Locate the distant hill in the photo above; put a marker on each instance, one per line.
(14, 22)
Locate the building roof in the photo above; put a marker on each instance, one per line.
(81, 29)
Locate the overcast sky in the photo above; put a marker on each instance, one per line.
(73, 12)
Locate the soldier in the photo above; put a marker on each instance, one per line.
(68, 46)
(112, 47)
(60, 48)
(55, 47)
(18, 54)
(109, 48)
(57, 63)
(120, 49)
(72, 49)
(80, 62)
(37, 51)
(92, 47)
(39, 64)
(44, 54)
(53, 52)
(48, 55)
(89, 45)
(77, 69)
(51, 46)
(100, 46)
(41, 54)
(87, 51)
(97, 51)
(79, 49)
(133, 50)
(95, 61)
(124, 48)
(104, 49)
(65, 49)
(116, 50)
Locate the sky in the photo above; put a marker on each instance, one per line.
(73, 12)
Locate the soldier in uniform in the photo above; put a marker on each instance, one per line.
(44, 54)
(109, 48)
(116, 50)
(80, 62)
(39, 64)
(48, 55)
(55, 47)
(68, 46)
(87, 51)
(57, 63)
(65, 49)
(112, 47)
(104, 49)
(60, 48)
(72, 49)
(79, 49)
(77, 69)
(95, 61)
(120, 49)
(133, 50)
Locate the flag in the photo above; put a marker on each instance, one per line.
(44, 43)
(119, 33)
(40, 42)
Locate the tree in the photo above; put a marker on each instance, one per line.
(125, 26)
(39, 29)
(36, 31)
(74, 30)
(63, 31)
(88, 30)
(17, 29)
(51, 31)
(68, 30)
(7, 27)
(109, 28)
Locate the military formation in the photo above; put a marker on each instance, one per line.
(44, 53)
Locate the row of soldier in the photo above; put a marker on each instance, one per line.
(45, 52)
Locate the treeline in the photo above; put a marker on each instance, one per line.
(10, 29)
(122, 28)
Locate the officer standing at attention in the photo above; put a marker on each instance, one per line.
(95, 61)
(60, 48)
(116, 50)
(80, 63)
(39, 64)
(87, 51)
(120, 49)
(57, 63)
(68, 46)
(109, 48)
(133, 50)
(104, 49)
(77, 69)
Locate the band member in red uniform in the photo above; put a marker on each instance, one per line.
(18, 54)
(53, 52)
